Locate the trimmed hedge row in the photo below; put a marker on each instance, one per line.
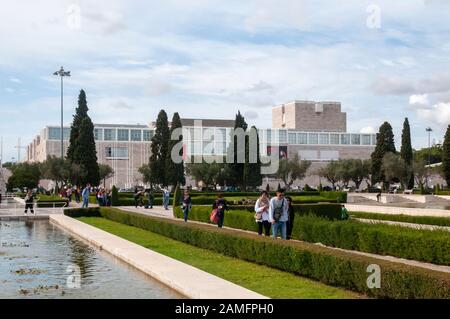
(331, 267)
(426, 220)
(422, 245)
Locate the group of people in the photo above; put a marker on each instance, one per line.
(276, 214)
(140, 194)
(104, 197)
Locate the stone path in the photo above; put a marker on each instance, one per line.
(161, 212)
(403, 224)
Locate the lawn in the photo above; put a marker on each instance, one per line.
(261, 279)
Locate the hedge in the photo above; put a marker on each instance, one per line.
(422, 245)
(331, 267)
(426, 220)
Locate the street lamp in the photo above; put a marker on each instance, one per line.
(429, 130)
(61, 73)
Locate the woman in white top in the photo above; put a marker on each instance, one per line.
(262, 214)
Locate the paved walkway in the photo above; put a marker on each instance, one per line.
(158, 211)
(397, 210)
(403, 224)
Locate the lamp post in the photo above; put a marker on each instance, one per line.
(61, 73)
(429, 130)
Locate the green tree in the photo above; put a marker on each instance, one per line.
(421, 172)
(24, 175)
(358, 171)
(395, 169)
(385, 144)
(175, 171)
(147, 176)
(160, 150)
(86, 154)
(253, 176)
(236, 169)
(114, 196)
(446, 157)
(406, 151)
(208, 173)
(105, 172)
(330, 173)
(292, 169)
(61, 171)
(81, 113)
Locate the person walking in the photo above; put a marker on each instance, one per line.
(166, 198)
(69, 194)
(221, 205)
(137, 198)
(290, 222)
(85, 195)
(77, 194)
(186, 203)
(279, 214)
(29, 202)
(262, 214)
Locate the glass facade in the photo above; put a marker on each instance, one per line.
(98, 134)
(110, 134)
(147, 135)
(54, 133)
(324, 139)
(123, 135)
(313, 138)
(116, 152)
(356, 139)
(345, 139)
(136, 135)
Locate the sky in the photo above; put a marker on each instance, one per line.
(383, 60)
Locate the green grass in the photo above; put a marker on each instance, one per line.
(261, 279)
(426, 220)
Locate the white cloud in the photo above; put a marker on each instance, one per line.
(438, 114)
(420, 100)
(15, 80)
(368, 130)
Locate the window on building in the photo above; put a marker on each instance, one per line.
(123, 135)
(374, 139)
(356, 139)
(366, 139)
(302, 138)
(221, 148)
(345, 139)
(110, 134)
(292, 138)
(313, 138)
(98, 134)
(269, 135)
(208, 148)
(148, 135)
(136, 135)
(54, 133)
(196, 148)
(324, 139)
(116, 152)
(334, 139)
(282, 136)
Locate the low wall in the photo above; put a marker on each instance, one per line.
(185, 279)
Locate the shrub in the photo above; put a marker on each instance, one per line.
(115, 196)
(332, 267)
(382, 239)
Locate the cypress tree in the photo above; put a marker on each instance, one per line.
(159, 148)
(80, 114)
(406, 151)
(175, 171)
(85, 154)
(446, 157)
(385, 144)
(237, 170)
(253, 177)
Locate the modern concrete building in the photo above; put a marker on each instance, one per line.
(316, 131)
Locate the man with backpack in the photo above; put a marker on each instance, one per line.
(279, 214)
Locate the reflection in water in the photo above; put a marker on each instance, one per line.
(38, 260)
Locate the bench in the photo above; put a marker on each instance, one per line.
(408, 192)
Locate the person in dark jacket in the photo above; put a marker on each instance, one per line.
(29, 202)
(290, 223)
(221, 205)
(186, 203)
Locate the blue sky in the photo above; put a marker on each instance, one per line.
(384, 60)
